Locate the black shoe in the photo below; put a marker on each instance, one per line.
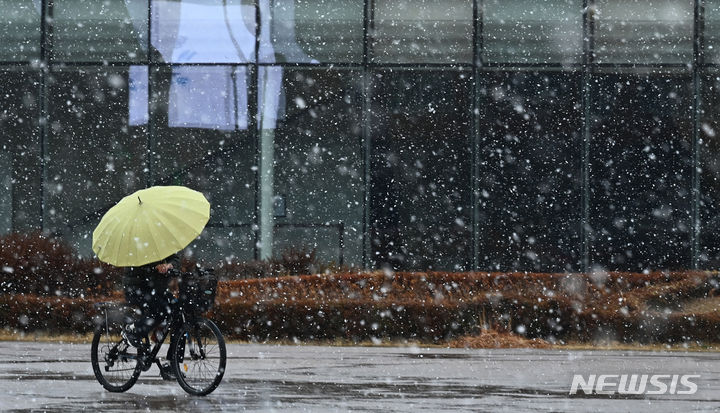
(167, 373)
(134, 339)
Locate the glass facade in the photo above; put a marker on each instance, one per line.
(21, 33)
(97, 30)
(518, 135)
(93, 155)
(709, 167)
(21, 155)
(421, 31)
(641, 171)
(521, 31)
(641, 32)
(420, 169)
(529, 178)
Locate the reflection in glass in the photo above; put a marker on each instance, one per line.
(19, 30)
(20, 160)
(224, 243)
(640, 172)
(710, 174)
(642, 32)
(97, 30)
(206, 148)
(531, 31)
(712, 31)
(318, 161)
(88, 112)
(420, 170)
(422, 31)
(308, 31)
(529, 204)
(213, 98)
(6, 178)
(138, 95)
(203, 31)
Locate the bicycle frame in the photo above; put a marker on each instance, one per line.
(188, 331)
(171, 324)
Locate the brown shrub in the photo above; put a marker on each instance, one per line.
(440, 306)
(496, 339)
(57, 314)
(240, 270)
(436, 305)
(291, 261)
(36, 264)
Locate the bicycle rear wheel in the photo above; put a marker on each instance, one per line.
(199, 357)
(114, 361)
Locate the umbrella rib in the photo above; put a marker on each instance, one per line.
(105, 235)
(183, 220)
(157, 216)
(114, 247)
(171, 227)
(129, 234)
(114, 251)
(200, 204)
(112, 214)
(100, 238)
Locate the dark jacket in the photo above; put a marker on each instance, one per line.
(148, 278)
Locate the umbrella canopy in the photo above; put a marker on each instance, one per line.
(150, 225)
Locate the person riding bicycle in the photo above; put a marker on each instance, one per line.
(148, 287)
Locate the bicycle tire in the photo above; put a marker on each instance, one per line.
(199, 357)
(109, 349)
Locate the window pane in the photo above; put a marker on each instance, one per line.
(201, 139)
(641, 31)
(20, 166)
(308, 31)
(529, 172)
(710, 174)
(712, 31)
(640, 160)
(94, 156)
(531, 31)
(318, 172)
(420, 169)
(97, 30)
(19, 30)
(203, 31)
(217, 244)
(422, 31)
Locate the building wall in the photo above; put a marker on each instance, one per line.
(558, 135)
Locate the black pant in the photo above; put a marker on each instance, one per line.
(155, 306)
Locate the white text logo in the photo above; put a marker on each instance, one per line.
(635, 384)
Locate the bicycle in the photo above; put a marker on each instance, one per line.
(197, 345)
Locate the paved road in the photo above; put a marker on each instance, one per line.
(263, 378)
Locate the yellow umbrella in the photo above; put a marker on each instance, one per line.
(150, 225)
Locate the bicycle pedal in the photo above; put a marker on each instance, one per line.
(145, 360)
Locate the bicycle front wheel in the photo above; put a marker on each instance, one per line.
(199, 357)
(114, 361)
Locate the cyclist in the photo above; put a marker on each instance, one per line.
(148, 287)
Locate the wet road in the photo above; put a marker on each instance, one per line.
(263, 378)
